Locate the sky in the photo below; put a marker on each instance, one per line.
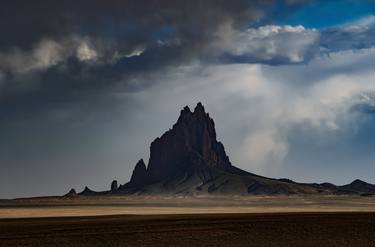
(85, 86)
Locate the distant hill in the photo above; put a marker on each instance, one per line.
(188, 160)
(358, 186)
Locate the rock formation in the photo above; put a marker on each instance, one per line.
(188, 160)
(114, 186)
(190, 143)
(88, 192)
(71, 193)
(359, 186)
(139, 176)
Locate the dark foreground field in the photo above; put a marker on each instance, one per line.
(293, 229)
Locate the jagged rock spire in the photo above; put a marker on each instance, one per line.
(114, 186)
(199, 109)
(71, 193)
(190, 143)
(139, 176)
(86, 191)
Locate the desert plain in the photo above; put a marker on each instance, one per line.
(188, 221)
(156, 205)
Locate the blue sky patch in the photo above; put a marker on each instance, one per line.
(322, 14)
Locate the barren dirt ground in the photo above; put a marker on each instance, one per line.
(273, 229)
(188, 221)
(95, 206)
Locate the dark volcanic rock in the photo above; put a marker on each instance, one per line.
(87, 192)
(114, 186)
(188, 160)
(190, 143)
(359, 186)
(71, 193)
(139, 176)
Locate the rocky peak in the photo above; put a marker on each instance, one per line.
(359, 186)
(190, 143)
(87, 191)
(199, 109)
(71, 193)
(358, 182)
(139, 174)
(187, 115)
(185, 112)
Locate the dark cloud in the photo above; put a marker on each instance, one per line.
(66, 48)
(26, 22)
(120, 26)
(101, 41)
(55, 52)
(83, 46)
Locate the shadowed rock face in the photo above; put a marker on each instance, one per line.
(139, 176)
(87, 192)
(190, 143)
(188, 159)
(71, 193)
(114, 186)
(359, 186)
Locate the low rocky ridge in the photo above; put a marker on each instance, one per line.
(188, 160)
(359, 187)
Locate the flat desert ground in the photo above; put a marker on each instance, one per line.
(199, 221)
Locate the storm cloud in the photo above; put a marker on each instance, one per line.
(104, 43)
(85, 86)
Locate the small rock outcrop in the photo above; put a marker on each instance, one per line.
(87, 192)
(71, 193)
(139, 176)
(114, 186)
